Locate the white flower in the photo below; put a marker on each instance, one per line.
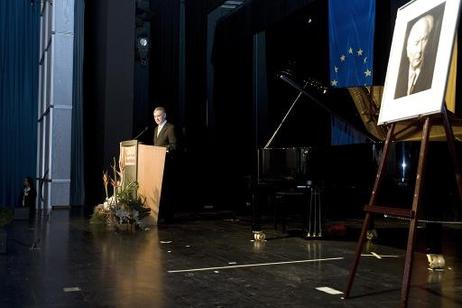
(109, 202)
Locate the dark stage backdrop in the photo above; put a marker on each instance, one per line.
(77, 189)
(288, 42)
(108, 82)
(120, 93)
(291, 43)
(298, 45)
(19, 45)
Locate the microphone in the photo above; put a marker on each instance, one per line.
(142, 132)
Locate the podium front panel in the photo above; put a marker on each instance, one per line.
(151, 161)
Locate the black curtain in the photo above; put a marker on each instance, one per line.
(235, 141)
(108, 87)
(164, 64)
(189, 118)
(77, 190)
(154, 84)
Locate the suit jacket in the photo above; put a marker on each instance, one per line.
(166, 138)
(423, 82)
(29, 199)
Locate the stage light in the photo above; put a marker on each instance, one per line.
(403, 165)
(142, 47)
(143, 42)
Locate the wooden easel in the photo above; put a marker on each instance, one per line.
(412, 213)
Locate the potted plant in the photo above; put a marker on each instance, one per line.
(6, 216)
(126, 209)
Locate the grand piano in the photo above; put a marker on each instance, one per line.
(332, 182)
(342, 175)
(312, 175)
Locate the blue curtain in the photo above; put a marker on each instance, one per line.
(19, 58)
(77, 159)
(343, 133)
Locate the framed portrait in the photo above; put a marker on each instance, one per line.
(419, 62)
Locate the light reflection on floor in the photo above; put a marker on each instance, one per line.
(123, 269)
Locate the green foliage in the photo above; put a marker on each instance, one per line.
(126, 207)
(6, 216)
(128, 197)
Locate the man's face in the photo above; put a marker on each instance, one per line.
(159, 116)
(417, 42)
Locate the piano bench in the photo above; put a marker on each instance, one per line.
(283, 200)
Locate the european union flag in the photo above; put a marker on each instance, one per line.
(351, 42)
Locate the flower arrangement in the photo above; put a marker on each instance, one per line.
(125, 206)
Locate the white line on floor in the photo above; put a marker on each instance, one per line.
(329, 290)
(254, 265)
(373, 254)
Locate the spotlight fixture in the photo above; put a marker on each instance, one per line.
(142, 47)
(143, 41)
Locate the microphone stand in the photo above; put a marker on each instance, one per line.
(142, 132)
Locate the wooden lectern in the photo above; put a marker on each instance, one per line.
(145, 164)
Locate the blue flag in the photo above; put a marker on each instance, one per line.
(351, 42)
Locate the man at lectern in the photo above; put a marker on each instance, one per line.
(164, 132)
(164, 136)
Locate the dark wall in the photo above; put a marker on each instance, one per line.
(120, 93)
(235, 109)
(165, 54)
(108, 93)
(165, 66)
(195, 42)
(120, 58)
(298, 44)
(188, 115)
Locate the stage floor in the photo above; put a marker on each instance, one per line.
(61, 261)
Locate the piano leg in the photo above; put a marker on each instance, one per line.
(309, 216)
(314, 214)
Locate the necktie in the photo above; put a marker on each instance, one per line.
(411, 88)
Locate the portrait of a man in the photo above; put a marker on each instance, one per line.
(420, 60)
(419, 53)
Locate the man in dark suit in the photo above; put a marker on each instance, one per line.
(417, 65)
(164, 132)
(164, 136)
